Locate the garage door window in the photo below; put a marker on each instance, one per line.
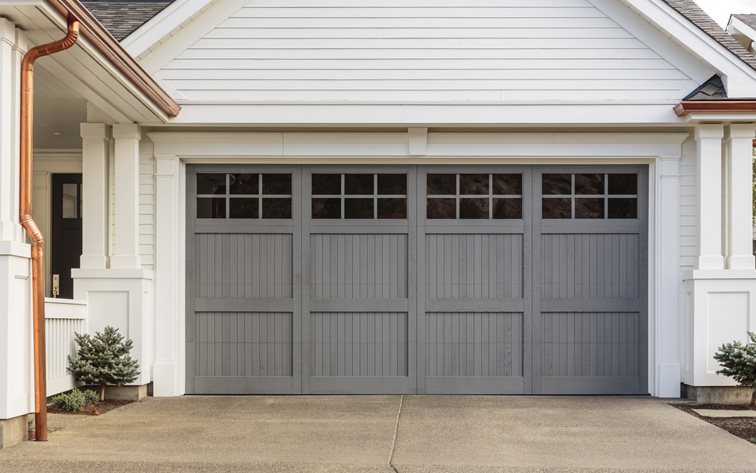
(359, 196)
(244, 196)
(474, 196)
(589, 196)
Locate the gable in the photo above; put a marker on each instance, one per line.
(428, 51)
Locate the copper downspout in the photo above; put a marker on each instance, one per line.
(25, 210)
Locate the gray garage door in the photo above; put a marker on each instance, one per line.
(416, 279)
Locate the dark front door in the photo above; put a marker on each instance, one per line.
(66, 231)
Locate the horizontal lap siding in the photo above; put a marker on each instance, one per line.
(358, 344)
(441, 50)
(688, 206)
(147, 210)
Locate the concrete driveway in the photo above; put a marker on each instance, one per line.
(361, 434)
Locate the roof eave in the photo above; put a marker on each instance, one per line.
(109, 47)
(687, 107)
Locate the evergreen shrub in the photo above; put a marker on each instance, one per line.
(739, 363)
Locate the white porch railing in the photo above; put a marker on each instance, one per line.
(63, 317)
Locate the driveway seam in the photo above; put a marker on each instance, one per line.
(396, 431)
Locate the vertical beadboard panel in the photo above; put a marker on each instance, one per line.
(259, 265)
(590, 266)
(243, 344)
(60, 344)
(474, 344)
(599, 344)
(442, 51)
(351, 266)
(460, 266)
(358, 344)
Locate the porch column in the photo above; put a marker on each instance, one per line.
(168, 326)
(709, 163)
(126, 254)
(94, 232)
(739, 146)
(16, 381)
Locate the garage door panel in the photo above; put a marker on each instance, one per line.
(474, 344)
(590, 344)
(474, 266)
(359, 266)
(590, 266)
(243, 265)
(354, 344)
(243, 344)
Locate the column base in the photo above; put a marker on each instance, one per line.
(126, 393)
(734, 395)
(13, 431)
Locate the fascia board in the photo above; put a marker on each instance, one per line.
(742, 77)
(161, 25)
(739, 26)
(58, 22)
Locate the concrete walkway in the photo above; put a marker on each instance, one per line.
(360, 434)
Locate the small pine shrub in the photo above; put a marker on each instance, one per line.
(71, 402)
(103, 359)
(739, 363)
(90, 398)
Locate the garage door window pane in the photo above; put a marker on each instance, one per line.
(589, 208)
(358, 184)
(557, 184)
(589, 183)
(326, 208)
(507, 208)
(623, 208)
(442, 184)
(392, 184)
(623, 184)
(326, 184)
(211, 184)
(276, 184)
(392, 208)
(276, 208)
(507, 184)
(244, 208)
(244, 184)
(211, 208)
(473, 208)
(442, 208)
(557, 208)
(358, 208)
(473, 184)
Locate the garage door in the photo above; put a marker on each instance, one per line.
(416, 279)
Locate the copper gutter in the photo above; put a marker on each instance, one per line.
(103, 41)
(25, 211)
(712, 106)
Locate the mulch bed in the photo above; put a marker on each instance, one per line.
(100, 408)
(744, 428)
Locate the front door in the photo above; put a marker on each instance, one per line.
(66, 232)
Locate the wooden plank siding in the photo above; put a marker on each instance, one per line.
(421, 51)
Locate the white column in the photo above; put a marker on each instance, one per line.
(709, 163)
(739, 144)
(667, 224)
(166, 375)
(126, 254)
(9, 97)
(94, 164)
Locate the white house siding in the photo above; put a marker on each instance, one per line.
(688, 206)
(147, 206)
(421, 51)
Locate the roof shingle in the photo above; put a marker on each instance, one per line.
(749, 19)
(123, 18)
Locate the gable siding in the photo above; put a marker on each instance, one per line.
(422, 50)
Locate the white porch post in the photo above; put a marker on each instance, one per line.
(167, 256)
(95, 147)
(739, 143)
(126, 254)
(709, 161)
(16, 383)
